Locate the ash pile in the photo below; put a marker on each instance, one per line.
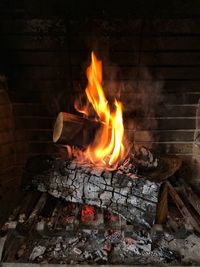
(77, 234)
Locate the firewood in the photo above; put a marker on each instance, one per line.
(162, 209)
(132, 197)
(192, 198)
(185, 211)
(29, 224)
(75, 130)
(39, 206)
(28, 201)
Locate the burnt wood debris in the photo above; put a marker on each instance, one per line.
(124, 192)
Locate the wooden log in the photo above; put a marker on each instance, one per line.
(72, 129)
(132, 197)
(162, 209)
(30, 222)
(185, 211)
(39, 206)
(28, 204)
(192, 198)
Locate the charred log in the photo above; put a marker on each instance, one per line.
(72, 129)
(133, 198)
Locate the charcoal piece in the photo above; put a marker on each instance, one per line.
(169, 256)
(134, 199)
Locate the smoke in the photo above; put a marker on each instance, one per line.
(141, 99)
(140, 93)
(139, 89)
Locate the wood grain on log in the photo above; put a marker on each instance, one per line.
(71, 129)
(133, 198)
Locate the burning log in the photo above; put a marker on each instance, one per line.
(133, 198)
(75, 130)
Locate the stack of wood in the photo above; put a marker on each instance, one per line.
(187, 203)
(132, 195)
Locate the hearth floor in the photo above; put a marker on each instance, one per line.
(65, 233)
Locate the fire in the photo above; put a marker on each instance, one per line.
(107, 150)
(87, 214)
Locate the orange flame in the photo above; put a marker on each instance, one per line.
(107, 150)
(80, 108)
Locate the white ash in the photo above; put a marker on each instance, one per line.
(37, 251)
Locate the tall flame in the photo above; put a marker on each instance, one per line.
(107, 150)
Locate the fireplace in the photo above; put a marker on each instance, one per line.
(135, 206)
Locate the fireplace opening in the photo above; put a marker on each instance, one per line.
(99, 134)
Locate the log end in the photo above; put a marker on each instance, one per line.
(71, 129)
(58, 127)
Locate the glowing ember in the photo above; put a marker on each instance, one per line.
(87, 214)
(107, 150)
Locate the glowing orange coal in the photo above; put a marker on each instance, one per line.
(87, 214)
(107, 150)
